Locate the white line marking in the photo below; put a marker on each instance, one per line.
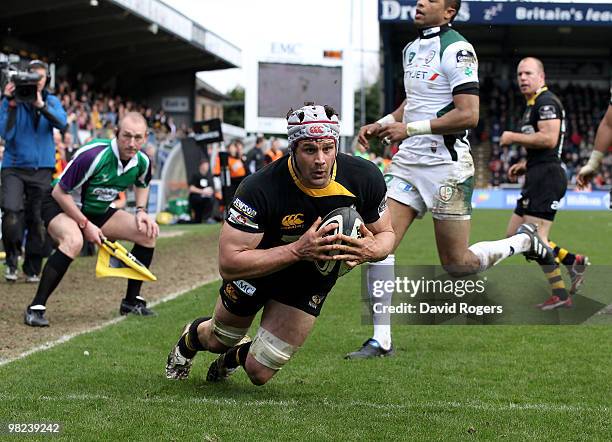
(325, 402)
(66, 338)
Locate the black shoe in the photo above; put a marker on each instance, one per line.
(538, 251)
(139, 308)
(34, 316)
(371, 349)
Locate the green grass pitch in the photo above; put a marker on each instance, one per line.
(446, 382)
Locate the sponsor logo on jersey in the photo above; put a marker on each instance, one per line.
(244, 208)
(418, 75)
(434, 76)
(468, 71)
(292, 221)
(465, 58)
(245, 287)
(430, 56)
(547, 112)
(446, 193)
(382, 206)
(411, 57)
(434, 146)
(240, 219)
(527, 129)
(105, 193)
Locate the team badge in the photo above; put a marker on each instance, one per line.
(411, 57)
(430, 56)
(446, 193)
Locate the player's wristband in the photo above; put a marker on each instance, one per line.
(386, 120)
(141, 208)
(595, 159)
(422, 127)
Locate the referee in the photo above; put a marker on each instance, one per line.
(542, 132)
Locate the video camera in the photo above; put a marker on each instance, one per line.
(24, 80)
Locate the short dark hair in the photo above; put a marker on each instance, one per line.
(259, 140)
(455, 4)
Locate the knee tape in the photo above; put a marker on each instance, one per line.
(271, 351)
(226, 334)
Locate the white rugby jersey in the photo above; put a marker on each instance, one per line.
(437, 65)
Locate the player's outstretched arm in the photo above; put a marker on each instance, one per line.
(239, 257)
(375, 245)
(603, 140)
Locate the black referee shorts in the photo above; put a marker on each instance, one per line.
(545, 186)
(50, 209)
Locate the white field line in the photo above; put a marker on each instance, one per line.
(327, 403)
(68, 337)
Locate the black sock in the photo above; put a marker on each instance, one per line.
(145, 256)
(236, 356)
(190, 344)
(52, 274)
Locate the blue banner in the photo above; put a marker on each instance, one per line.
(506, 199)
(509, 13)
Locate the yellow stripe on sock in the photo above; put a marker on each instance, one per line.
(552, 244)
(562, 254)
(558, 285)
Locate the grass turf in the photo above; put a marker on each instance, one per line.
(446, 382)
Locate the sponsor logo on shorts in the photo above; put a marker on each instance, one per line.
(403, 186)
(245, 287)
(548, 112)
(292, 221)
(446, 193)
(244, 208)
(555, 205)
(525, 203)
(230, 292)
(105, 193)
(315, 301)
(434, 146)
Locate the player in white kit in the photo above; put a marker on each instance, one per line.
(433, 170)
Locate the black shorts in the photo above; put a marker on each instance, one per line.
(242, 298)
(545, 186)
(50, 209)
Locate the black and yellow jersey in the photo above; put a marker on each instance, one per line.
(274, 202)
(543, 106)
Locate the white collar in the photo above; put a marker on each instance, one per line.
(120, 168)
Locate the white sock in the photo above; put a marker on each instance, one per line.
(490, 253)
(381, 271)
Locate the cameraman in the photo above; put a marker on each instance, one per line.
(27, 167)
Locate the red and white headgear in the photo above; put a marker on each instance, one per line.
(312, 122)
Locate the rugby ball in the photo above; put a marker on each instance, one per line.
(347, 221)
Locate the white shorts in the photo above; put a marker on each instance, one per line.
(444, 189)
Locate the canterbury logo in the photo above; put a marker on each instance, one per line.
(316, 130)
(293, 220)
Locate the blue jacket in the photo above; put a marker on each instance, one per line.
(28, 145)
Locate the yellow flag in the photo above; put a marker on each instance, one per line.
(114, 260)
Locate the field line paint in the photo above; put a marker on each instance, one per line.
(68, 337)
(327, 403)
